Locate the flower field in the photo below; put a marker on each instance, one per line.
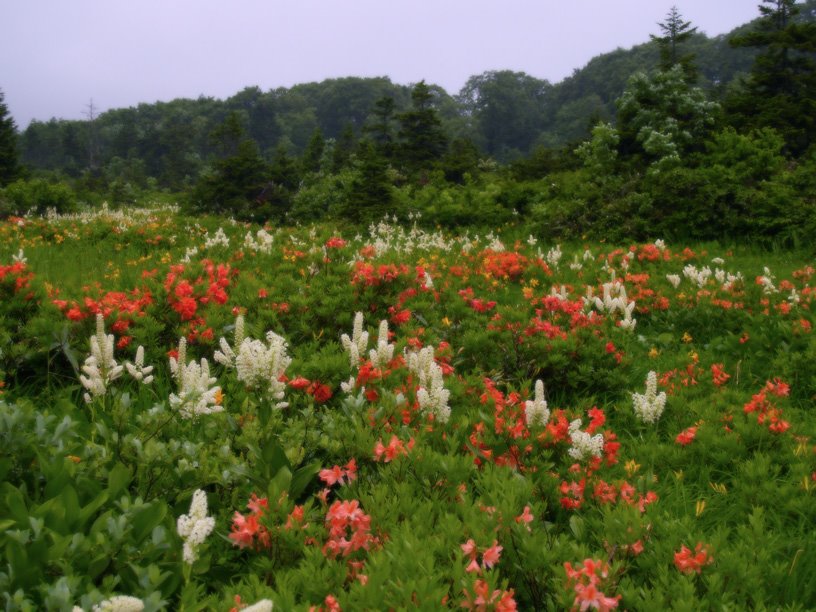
(199, 414)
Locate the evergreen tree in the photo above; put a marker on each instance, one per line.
(381, 130)
(237, 184)
(343, 148)
(371, 195)
(780, 92)
(422, 139)
(9, 158)
(675, 32)
(310, 162)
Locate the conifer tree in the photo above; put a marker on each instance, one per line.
(9, 158)
(422, 139)
(675, 33)
(780, 92)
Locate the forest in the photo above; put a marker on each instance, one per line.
(683, 135)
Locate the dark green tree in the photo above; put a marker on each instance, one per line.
(675, 33)
(238, 184)
(371, 194)
(506, 110)
(310, 162)
(422, 141)
(780, 91)
(9, 156)
(343, 149)
(382, 127)
(461, 160)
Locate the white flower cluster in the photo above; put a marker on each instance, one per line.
(614, 300)
(189, 253)
(139, 370)
(219, 239)
(536, 410)
(261, 243)
(357, 345)
(660, 244)
(674, 279)
(649, 405)
(767, 282)
(100, 368)
(584, 445)
(195, 527)
(19, 257)
(431, 393)
(554, 256)
(700, 277)
(264, 605)
(259, 366)
(384, 353)
(727, 279)
(196, 393)
(117, 603)
(560, 292)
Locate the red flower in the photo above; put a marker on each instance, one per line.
(299, 383)
(686, 437)
(688, 562)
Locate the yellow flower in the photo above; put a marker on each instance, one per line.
(687, 338)
(219, 397)
(699, 508)
(653, 352)
(631, 467)
(446, 322)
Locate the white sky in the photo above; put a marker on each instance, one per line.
(55, 55)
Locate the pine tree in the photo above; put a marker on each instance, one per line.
(9, 157)
(422, 139)
(310, 162)
(675, 33)
(780, 92)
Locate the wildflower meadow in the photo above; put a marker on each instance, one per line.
(205, 414)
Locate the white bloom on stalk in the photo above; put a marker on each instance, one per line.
(554, 256)
(19, 257)
(649, 405)
(265, 605)
(100, 368)
(767, 282)
(584, 445)
(432, 396)
(219, 239)
(536, 410)
(259, 366)
(358, 343)
(195, 527)
(138, 370)
(384, 353)
(660, 244)
(117, 603)
(196, 393)
(674, 279)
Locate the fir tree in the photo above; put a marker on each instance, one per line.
(780, 92)
(675, 33)
(422, 139)
(9, 158)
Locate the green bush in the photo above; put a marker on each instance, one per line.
(37, 196)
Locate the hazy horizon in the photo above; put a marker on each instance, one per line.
(57, 56)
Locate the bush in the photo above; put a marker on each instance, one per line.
(36, 196)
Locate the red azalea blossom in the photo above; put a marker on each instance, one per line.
(689, 562)
(686, 437)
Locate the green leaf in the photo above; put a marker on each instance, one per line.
(118, 479)
(146, 520)
(302, 477)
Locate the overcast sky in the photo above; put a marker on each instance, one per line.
(57, 55)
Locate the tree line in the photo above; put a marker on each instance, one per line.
(634, 121)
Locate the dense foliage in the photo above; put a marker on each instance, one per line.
(211, 414)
